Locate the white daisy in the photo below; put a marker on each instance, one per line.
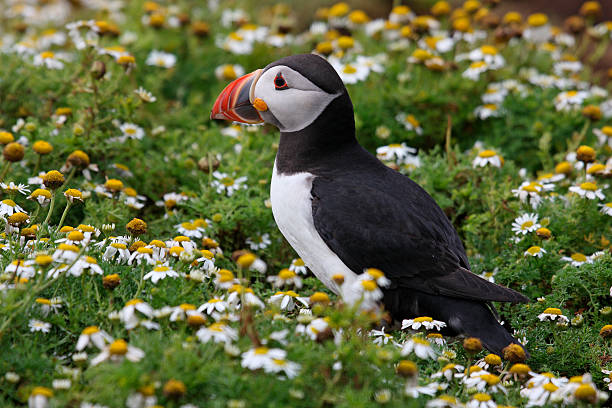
(161, 59)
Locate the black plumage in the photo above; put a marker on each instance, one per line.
(372, 216)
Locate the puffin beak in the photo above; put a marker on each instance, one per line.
(236, 101)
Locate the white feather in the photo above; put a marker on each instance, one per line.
(292, 209)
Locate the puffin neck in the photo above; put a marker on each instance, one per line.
(311, 148)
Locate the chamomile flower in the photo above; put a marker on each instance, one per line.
(399, 153)
(218, 332)
(535, 251)
(49, 60)
(449, 372)
(21, 268)
(229, 72)
(12, 188)
(608, 379)
(424, 321)
(380, 337)
(235, 43)
(553, 314)
(276, 365)
(145, 95)
(315, 328)
(260, 241)
(530, 192)
(131, 131)
(298, 266)
(350, 73)
(525, 223)
(39, 326)
(117, 250)
(183, 311)
(288, 300)
(606, 208)
(484, 381)
(411, 124)
(475, 69)
(413, 390)
(143, 254)
(588, 190)
(486, 157)
(93, 335)
(117, 351)
(49, 305)
(161, 59)
(566, 101)
(285, 277)
(481, 400)
(8, 207)
(538, 30)
(259, 357)
(238, 292)
(420, 347)
(604, 135)
(486, 53)
(488, 111)
(161, 272)
(133, 311)
(224, 183)
(217, 304)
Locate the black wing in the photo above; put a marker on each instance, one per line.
(384, 220)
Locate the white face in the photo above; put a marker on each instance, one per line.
(293, 101)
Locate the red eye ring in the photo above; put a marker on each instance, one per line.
(280, 83)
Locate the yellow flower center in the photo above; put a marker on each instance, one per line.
(578, 257)
(47, 54)
(534, 250)
(482, 397)
(369, 285)
(423, 319)
(588, 186)
(90, 330)
(490, 379)
(486, 153)
(261, 350)
(550, 387)
(488, 50)
(118, 348)
(553, 311)
(286, 274)
(349, 69)
(537, 19)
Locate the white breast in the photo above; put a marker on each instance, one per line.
(292, 209)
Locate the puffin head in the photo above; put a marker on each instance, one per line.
(291, 94)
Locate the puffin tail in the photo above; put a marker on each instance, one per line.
(492, 334)
(463, 316)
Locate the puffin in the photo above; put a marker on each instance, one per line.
(343, 211)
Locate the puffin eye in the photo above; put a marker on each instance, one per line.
(280, 83)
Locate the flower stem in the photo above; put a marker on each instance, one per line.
(68, 205)
(51, 206)
(5, 170)
(37, 165)
(70, 175)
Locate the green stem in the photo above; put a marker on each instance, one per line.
(141, 282)
(34, 292)
(51, 206)
(34, 215)
(5, 170)
(68, 205)
(70, 176)
(37, 164)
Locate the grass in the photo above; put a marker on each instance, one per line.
(138, 190)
